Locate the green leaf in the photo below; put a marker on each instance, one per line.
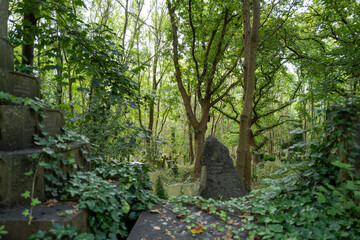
(321, 198)
(25, 194)
(275, 228)
(26, 212)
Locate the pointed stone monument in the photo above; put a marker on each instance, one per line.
(18, 124)
(219, 178)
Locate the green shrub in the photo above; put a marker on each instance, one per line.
(160, 190)
(114, 195)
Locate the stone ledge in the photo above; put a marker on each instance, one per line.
(18, 125)
(17, 224)
(19, 84)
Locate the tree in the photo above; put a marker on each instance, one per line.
(206, 52)
(243, 159)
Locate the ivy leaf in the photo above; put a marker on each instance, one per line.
(321, 198)
(275, 228)
(25, 194)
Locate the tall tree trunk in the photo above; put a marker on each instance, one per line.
(243, 159)
(152, 101)
(29, 23)
(191, 150)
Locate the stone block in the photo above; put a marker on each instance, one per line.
(13, 182)
(19, 84)
(219, 178)
(14, 164)
(6, 55)
(18, 125)
(18, 228)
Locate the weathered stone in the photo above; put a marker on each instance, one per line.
(219, 178)
(6, 50)
(19, 84)
(13, 181)
(17, 224)
(18, 125)
(14, 164)
(164, 223)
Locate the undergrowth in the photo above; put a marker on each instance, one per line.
(314, 195)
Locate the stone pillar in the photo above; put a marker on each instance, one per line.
(6, 50)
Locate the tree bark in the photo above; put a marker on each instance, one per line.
(243, 159)
(29, 23)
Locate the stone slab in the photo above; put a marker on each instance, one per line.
(14, 164)
(19, 84)
(13, 182)
(162, 223)
(219, 178)
(18, 125)
(18, 228)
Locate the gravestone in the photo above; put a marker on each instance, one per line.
(18, 124)
(219, 179)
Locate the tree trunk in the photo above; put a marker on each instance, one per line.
(243, 159)
(29, 23)
(191, 150)
(199, 147)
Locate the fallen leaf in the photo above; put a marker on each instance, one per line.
(244, 215)
(50, 202)
(179, 215)
(156, 228)
(228, 235)
(167, 232)
(143, 238)
(198, 213)
(198, 229)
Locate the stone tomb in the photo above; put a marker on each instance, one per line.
(18, 124)
(219, 179)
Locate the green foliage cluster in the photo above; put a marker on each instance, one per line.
(160, 189)
(60, 232)
(115, 194)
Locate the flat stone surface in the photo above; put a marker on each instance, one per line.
(18, 125)
(19, 84)
(219, 178)
(44, 216)
(163, 224)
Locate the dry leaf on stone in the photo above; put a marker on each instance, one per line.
(228, 235)
(198, 229)
(50, 202)
(156, 228)
(198, 213)
(244, 215)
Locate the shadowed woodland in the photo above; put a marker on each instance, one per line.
(277, 82)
